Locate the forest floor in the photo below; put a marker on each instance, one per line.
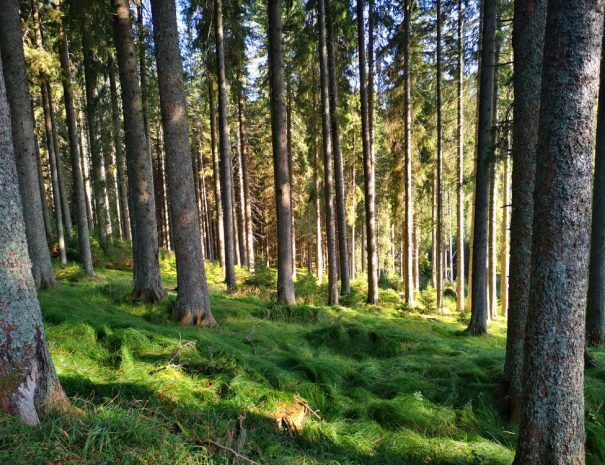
(375, 384)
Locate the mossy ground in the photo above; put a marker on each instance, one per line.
(391, 386)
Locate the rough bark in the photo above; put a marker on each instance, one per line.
(15, 76)
(339, 183)
(224, 149)
(147, 280)
(368, 165)
(552, 417)
(479, 308)
(460, 164)
(285, 285)
(192, 304)
(29, 382)
(528, 43)
(328, 160)
(74, 150)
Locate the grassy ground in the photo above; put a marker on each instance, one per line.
(389, 385)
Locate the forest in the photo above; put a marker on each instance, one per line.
(270, 232)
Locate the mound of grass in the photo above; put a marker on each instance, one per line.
(384, 387)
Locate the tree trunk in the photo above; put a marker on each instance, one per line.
(319, 252)
(504, 249)
(528, 44)
(552, 419)
(368, 164)
(439, 169)
(192, 305)
(328, 160)
(285, 286)
(30, 385)
(147, 283)
(434, 255)
(15, 75)
(290, 164)
(460, 166)
(345, 285)
(217, 179)
(492, 301)
(74, 150)
(595, 302)
(246, 209)
(45, 215)
(110, 179)
(224, 155)
(478, 323)
(120, 157)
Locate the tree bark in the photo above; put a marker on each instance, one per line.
(217, 178)
(45, 214)
(30, 385)
(74, 150)
(285, 285)
(224, 152)
(328, 160)
(478, 323)
(552, 418)
(341, 216)
(439, 169)
(147, 280)
(460, 165)
(504, 248)
(368, 165)
(528, 44)
(192, 304)
(15, 75)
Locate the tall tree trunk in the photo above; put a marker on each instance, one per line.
(368, 165)
(407, 256)
(528, 44)
(290, 164)
(434, 266)
(478, 323)
(328, 160)
(30, 383)
(224, 155)
(319, 252)
(504, 249)
(110, 179)
(285, 285)
(142, 49)
(91, 67)
(192, 304)
(84, 158)
(52, 163)
(416, 273)
(236, 230)
(120, 157)
(74, 150)
(345, 285)
(147, 280)
(552, 418)
(354, 223)
(460, 165)
(492, 301)
(217, 177)
(439, 232)
(245, 240)
(45, 214)
(595, 303)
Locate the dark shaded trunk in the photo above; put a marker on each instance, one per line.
(30, 385)
(15, 76)
(505, 231)
(109, 164)
(192, 304)
(285, 285)
(460, 165)
(147, 280)
(528, 44)
(74, 150)
(328, 161)
(217, 178)
(341, 216)
(552, 428)
(45, 214)
(224, 149)
(479, 308)
(120, 157)
(368, 164)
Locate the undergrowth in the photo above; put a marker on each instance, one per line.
(387, 386)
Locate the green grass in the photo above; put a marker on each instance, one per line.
(391, 385)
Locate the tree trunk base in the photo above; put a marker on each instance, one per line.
(476, 329)
(151, 295)
(47, 282)
(198, 316)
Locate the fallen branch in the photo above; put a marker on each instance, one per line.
(236, 454)
(175, 353)
(306, 405)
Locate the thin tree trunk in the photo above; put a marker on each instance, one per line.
(148, 283)
(478, 323)
(74, 149)
(319, 252)
(492, 301)
(407, 255)
(290, 164)
(552, 428)
(328, 160)
(30, 383)
(339, 184)
(460, 166)
(504, 249)
(439, 232)
(45, 215)
(434, 266)
(285, 285)
(244, 180)
(224, 155)
(368, 163)
(217, 178)
(110, 178)
(528, 44)
(192, 304)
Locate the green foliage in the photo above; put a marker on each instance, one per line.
(388, 389)
(428, 300)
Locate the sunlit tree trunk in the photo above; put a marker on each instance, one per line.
(439, 170)
(460, 165)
